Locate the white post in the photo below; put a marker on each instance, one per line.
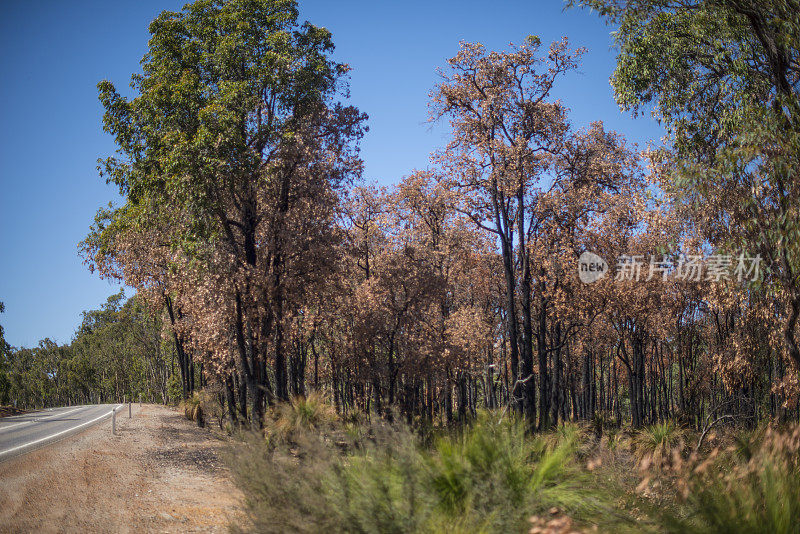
(113, 421)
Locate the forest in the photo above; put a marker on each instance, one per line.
(546, 305)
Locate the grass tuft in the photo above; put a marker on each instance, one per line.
(654, 444)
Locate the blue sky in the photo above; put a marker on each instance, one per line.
(55, 52)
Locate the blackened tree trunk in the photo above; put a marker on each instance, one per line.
(183, 361)
(544, 383)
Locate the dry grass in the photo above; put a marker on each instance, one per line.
(756, 492)
(193, 409)
(308, 413)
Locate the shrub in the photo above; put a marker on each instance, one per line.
(284, 493)
(488, 471)
(309, 484)
(381, 485)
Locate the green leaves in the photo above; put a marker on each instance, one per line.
(225, 88)
(221, 84)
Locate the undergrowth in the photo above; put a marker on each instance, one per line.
(752, 486)
(310, 471)
(486, 477)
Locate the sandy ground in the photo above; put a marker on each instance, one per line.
(159, 473)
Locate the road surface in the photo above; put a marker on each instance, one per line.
(23, 433)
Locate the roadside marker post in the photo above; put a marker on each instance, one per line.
(129, 410)
(113, 421)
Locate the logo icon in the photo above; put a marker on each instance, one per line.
(591, 267)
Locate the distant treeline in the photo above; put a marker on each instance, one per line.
(119, 352)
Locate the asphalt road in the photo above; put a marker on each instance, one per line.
(23, 433)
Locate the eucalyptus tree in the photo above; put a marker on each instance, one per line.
(235, 149)
(506, 131)
(520, 173)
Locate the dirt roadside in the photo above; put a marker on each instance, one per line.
(159, 473)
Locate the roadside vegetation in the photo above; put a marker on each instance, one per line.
(120, 352)
(312, 471)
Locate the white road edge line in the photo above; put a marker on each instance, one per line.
(18, 447)
(40, 419)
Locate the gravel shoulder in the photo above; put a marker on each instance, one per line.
(159, 473)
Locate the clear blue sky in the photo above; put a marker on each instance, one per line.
(55, 52)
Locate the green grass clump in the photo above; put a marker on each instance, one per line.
(497, 476)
